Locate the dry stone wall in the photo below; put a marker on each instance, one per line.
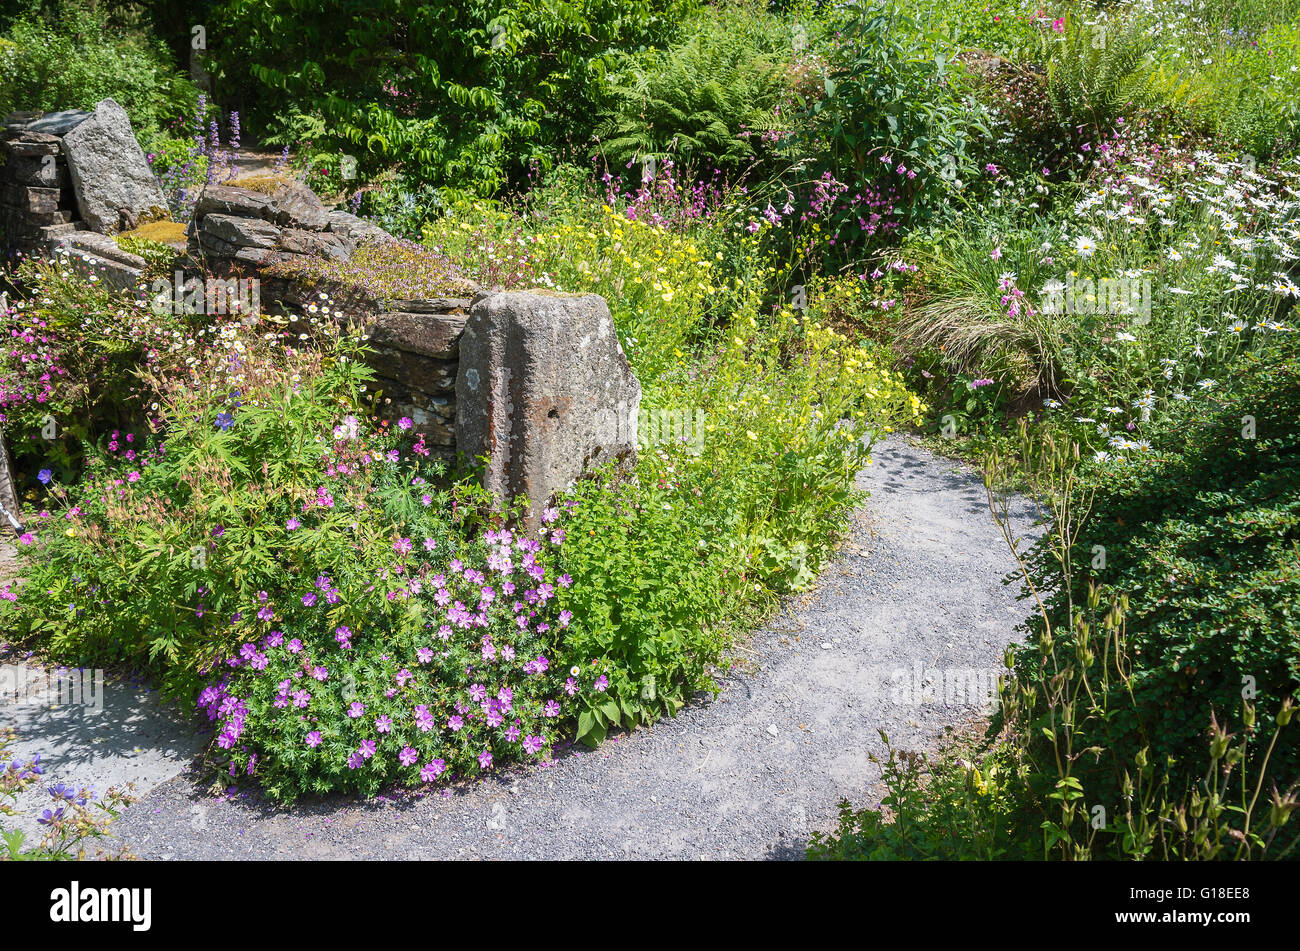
(37, 204)
(534, 382)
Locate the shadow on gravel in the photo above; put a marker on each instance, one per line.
(792, 851)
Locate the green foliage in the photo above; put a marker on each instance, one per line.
(1006, 28)
(1203, 539)
(72, 377)
(649, 595)
(147, 559)
(947, 811)
(77, 56)
(463, 95)
(1097, 68)
(894, 97)
(972, 311)
(711, 100)
(1247, 92)
(160, 258)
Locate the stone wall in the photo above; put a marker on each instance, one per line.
(535, 382)
(37, 204)
(72, 172)
(416, 351)
(240, 231)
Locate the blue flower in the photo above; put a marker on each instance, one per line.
(49, 818)
(224, 421)
(45, 475)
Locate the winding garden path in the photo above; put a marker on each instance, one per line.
(914, 595)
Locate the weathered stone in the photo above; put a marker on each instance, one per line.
(290, 204)
(31, 144)
(260, 258)
(46, 234)
(105, 259)
(434, 416)
(430, 305)
(19, 119)
(28, 198)
(354, 231)
(239, 232)
(426, 374)
(109, 171)
(37, 218)
(58, 123)
(433, 335)
(209, 245)
(34, 170)
(237, 202)
(8, 489)
(544, 391)
(294, 205)
(319, 244)
(101, 246)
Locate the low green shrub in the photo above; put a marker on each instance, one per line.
(1202, 539)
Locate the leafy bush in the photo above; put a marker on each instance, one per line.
(942, 811)
(1201, 538)
(463, 95)
(138, 563)
(660, 285)
(711, 100)
(77, 56)
(896, 110)
(650, 596)
(447, 664)
(1097, 68)
(978, 312)
(1114, 311)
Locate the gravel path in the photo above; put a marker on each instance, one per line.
(912, 606)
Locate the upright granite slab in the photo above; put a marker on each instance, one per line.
(109, 172)
(544, 391)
